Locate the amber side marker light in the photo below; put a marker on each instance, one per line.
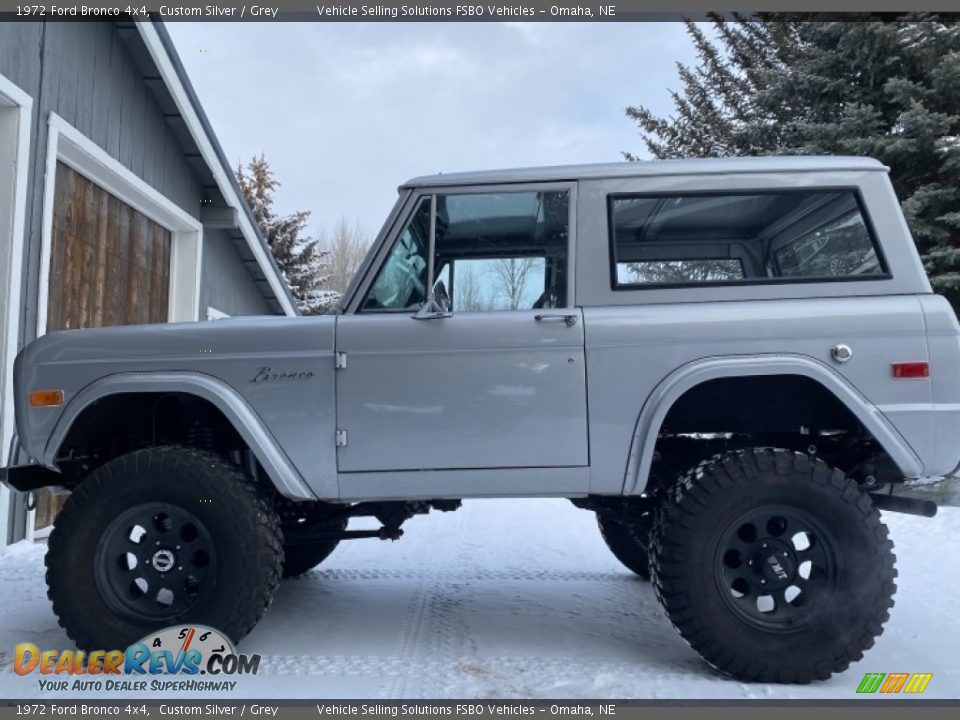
(46, 398)
(907, 370)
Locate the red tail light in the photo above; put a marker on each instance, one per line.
(909, 370)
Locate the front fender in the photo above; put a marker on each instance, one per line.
(286, 478)
(666, 393)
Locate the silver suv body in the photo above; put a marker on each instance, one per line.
(588, 332)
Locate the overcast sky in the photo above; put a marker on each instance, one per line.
(346, 112)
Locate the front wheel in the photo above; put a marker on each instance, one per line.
(626, 529)
(773, 566)
(158, 537)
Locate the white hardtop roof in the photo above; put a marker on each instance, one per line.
(647, 168)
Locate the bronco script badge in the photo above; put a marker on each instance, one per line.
(268, 374)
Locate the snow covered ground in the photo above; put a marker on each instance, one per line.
(512, 599)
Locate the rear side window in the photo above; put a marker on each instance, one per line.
(720, 238)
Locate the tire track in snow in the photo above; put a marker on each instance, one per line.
(414, 619)
(471, 574)
(470, 675)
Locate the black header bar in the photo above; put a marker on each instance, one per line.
(442, 10)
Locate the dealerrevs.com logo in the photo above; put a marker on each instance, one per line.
(192, 650)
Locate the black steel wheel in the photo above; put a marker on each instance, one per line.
(158, 537)
(155, 562)
(772, 565)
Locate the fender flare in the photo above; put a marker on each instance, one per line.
(281, 471)
(669, 390)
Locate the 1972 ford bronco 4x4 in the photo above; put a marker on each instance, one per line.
(734, 363)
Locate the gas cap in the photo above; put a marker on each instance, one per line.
(841, 353)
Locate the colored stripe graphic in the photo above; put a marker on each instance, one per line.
(918, 682)
(871, 682)
(894, 682)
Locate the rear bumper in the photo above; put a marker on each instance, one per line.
(24, 478)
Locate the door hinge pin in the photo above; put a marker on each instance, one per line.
(340, 361)
(341, 438)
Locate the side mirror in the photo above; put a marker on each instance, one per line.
(437, 304)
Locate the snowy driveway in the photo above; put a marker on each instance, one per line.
(512, 599)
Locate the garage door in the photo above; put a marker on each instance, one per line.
(109, 265)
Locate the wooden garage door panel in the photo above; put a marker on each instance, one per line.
(109, 264)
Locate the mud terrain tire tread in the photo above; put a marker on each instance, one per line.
(189, 472)
(688, 506)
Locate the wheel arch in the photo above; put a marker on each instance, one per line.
(692, 375)
(228, 402)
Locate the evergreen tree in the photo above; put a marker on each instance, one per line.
(888, 88)
(299, 257)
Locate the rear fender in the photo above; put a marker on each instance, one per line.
(669, 390)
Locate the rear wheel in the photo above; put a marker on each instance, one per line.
(162, 536)
(299, 558)
(773, 566)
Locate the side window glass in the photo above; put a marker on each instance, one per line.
(512, 283)
(841, 246)
(740, 237)
(504, 251)
(678, 271)
(402, 281)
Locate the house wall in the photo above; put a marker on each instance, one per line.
(85, 74)
(226, 283)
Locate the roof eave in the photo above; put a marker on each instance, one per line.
(164, 55)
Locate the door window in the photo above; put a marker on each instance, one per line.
(491, 251)
(505, 251)
(507, 283)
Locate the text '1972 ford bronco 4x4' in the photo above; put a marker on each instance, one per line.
(734, 363)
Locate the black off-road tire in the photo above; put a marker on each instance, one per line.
(221, 506)
(703, 530)
(299, 558)
(625, 542)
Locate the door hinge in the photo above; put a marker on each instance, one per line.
(340, 361)
(341, 438)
